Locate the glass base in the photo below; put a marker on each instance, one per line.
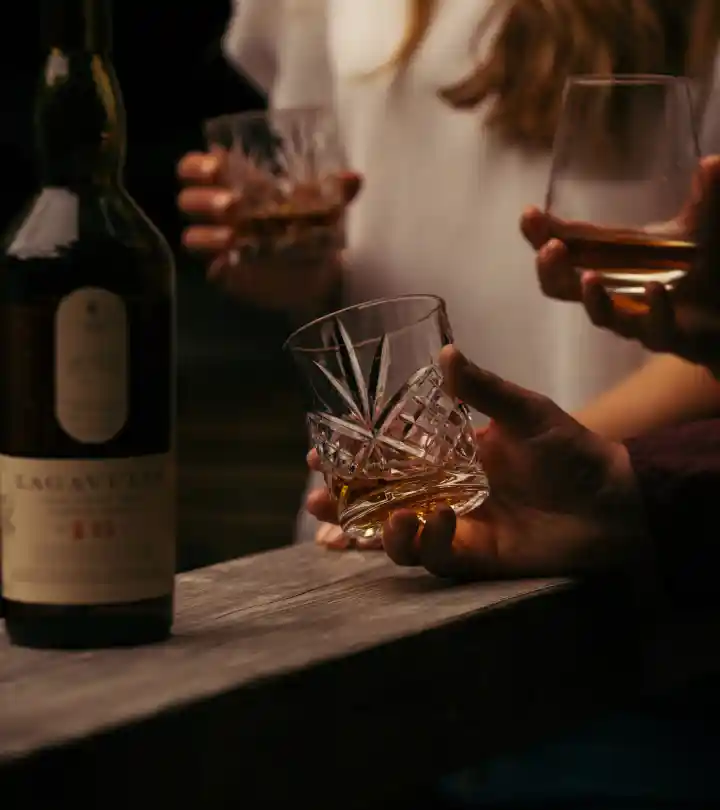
(362, 516)
(627, 288)
(632, 283)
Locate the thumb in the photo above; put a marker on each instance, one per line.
(351, 185)
(706, 177)
(510, 406)
(538, 227)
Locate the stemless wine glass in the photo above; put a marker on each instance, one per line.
(387, 434)
(625, 155)
(285, 169)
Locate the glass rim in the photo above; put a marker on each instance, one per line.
(627, 79)
(260, 115)
(438, 304)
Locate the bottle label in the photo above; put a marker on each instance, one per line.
(91, 365)
(88, 532)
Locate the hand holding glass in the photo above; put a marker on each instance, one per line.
(625, 156)
(284, 168)
(388, 436)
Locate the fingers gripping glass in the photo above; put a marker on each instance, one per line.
(387, 434)
(284, 169)
(625, 156)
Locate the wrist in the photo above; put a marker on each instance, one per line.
(635, 554)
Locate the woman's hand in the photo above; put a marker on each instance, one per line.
(563, 499)
(283, 284)
(684, 321)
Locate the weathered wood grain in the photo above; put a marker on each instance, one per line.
(301, 677)
(237, 622)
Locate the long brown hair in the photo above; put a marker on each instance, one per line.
(540, 43)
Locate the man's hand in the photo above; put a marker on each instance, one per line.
(563, 499)
(684, 321)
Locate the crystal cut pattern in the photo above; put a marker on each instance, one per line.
(284, 167)
(368, 431)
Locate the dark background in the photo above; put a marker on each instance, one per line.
(241, 433)
(173, 75)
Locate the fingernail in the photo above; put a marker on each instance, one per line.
(209, 165)
(461, 362)
(551, 247)
(222, 201)
(332, 537)
(458, 357)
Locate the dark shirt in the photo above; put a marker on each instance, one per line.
(678, 472)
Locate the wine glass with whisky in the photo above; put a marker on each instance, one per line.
(625, 155)
(387, 434)
(285, 169)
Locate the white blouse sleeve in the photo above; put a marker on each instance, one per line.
(251, 40)
(282, 47)
(710, 127)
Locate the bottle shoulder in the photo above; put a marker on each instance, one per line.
(58, 217)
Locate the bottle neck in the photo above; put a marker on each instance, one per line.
(79, 114)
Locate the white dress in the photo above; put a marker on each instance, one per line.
(443, 196)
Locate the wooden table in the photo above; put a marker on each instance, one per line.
(301, 678)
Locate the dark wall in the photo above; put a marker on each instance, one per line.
(168, 59)
(19, 64)
(173, 75)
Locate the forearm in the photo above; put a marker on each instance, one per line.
(666, 391)
(678, 476)
(325, 297)
(301, 289)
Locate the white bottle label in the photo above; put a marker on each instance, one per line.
(91, 365)
(84, 532)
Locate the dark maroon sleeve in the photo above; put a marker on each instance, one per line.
(678, 472)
